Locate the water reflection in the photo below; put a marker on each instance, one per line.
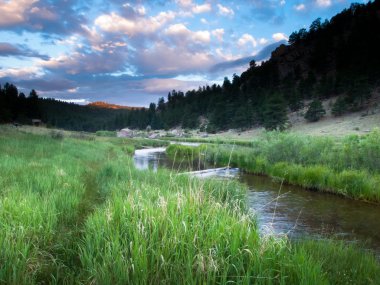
(292, 210)
(148, 158)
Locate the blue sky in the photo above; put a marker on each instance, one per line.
(133, 52)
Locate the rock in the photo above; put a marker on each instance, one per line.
(154, 136)
(125, 133)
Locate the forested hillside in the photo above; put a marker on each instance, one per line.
(333, 57)
(336, 57)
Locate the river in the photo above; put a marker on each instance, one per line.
(290, 210)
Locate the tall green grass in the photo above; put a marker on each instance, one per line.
(74, 211)
(351, 152)
(350, 167)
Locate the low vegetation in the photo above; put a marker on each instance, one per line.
(350, 166)
(76, 211)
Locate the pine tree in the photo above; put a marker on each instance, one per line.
(315, 111)
(339, 107)
(275, 113)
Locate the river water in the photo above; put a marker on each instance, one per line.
(290, 210)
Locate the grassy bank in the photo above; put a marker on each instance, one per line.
(76, 211)
(210, 141)
(349, 166)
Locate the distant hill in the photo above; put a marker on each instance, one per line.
(105, 105)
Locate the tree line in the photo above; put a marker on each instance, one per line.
(16, 107)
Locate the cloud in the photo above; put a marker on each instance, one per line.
(162, 59)
(184, 3)
(244, 61)
(44, 13)
(14, 12)
(155, 85)
(139, 10)
(198, 9)
(247, 39)
(7, 49)
(323, 3)
(79, 62)
(271, 11)
(204, 21)
(218, 34)
(48, 84)
(225, 11)
(185, 36)
(21, 73)
(279, 37)
(115, 23)
(300, 7)
(263, 41)
(45, 16)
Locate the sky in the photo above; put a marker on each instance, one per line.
(133, 52)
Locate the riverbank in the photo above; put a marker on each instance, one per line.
(76, 211)
(348, 166)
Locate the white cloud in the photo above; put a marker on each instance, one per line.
(184, 3)
(13, 12)
(109, 61)
(263, 41)
(183, 34)
(164, 84)
(300, 7)
(141, 10)
(323, 3)
(117, 24)
(198, 9)
(29, 72)
(279, 37)
(164, 59)
(218, 33)
(226, 56)
(247, 38)
(225, 11)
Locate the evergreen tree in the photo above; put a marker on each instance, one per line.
(275, 113)
(339, 107)
(315, 111)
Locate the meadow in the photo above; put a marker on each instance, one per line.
(74, 210)
(349, 166)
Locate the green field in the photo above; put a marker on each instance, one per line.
(74, 210)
